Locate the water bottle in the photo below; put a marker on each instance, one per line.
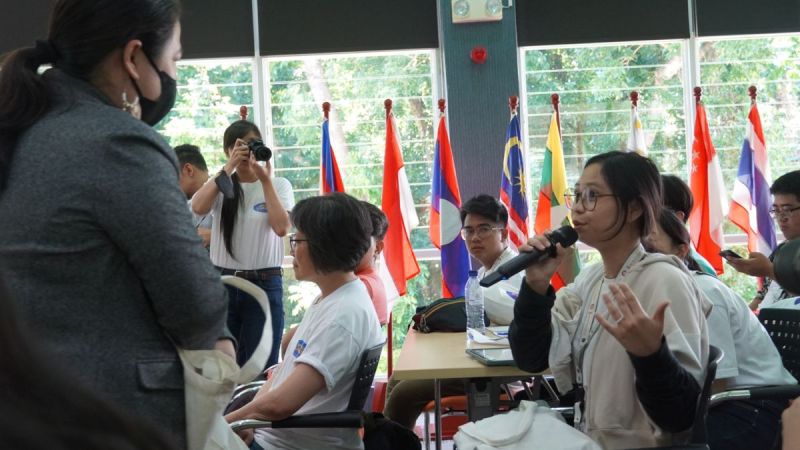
(473, 297)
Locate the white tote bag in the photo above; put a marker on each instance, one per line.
(210, 377)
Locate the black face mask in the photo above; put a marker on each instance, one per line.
(155, 110)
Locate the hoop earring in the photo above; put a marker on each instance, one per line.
(128, 106)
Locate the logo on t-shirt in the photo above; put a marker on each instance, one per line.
(260, 207)
(298, 349)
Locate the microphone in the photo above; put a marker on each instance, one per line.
(565, 236)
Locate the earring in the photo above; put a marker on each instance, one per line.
(128, 106)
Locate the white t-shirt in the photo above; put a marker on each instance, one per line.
(775, 293)
(334, 333)
(498, 300)
(199, 221)
(750, 358)
(255, 245)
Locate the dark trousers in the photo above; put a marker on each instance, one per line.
(246, 320)
(744, 424)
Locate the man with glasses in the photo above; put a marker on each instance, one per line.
(786, 212)
(484, 223)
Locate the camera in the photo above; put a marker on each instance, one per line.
(259, 150)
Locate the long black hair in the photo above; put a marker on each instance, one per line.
(674, 228)
(230, 206)
(44, 408)
(81, 35)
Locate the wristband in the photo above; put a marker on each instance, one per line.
(224, 184)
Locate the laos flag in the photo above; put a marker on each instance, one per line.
(330, 179)
(445, 220)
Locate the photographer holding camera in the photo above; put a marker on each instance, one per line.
(249, 210)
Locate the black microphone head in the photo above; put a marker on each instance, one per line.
(565, 236)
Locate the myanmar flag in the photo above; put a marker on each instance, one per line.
(552, 211)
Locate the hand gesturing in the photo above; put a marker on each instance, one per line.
(638, 333)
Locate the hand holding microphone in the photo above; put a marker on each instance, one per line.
(541, 256)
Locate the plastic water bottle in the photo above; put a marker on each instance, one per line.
(473, 297)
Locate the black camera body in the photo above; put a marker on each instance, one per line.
(259, 150)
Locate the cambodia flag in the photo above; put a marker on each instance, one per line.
(330, 180)
(398, 206)
(751, 197)
(445, 220)
(513, 188)
(710, 204)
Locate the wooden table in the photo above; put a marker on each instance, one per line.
(441, 356)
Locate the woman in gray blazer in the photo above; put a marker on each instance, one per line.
(96, 242)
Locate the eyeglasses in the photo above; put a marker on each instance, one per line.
(293, 241)
(783, 211)
(586, 197)
(481, 231)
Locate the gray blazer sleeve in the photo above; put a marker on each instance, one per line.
(139, 204)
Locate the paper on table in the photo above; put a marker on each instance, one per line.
(488, 339)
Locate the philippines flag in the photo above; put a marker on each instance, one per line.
(710, 204)
(636, 141)
(751, 197)
(513, 187)
(330, 179)
(445, 220)
(398, 205)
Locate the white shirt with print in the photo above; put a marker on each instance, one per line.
(334, 333)
(255, 245)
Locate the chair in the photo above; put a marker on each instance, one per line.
(698, 439)
(783, 326)
(352, 417)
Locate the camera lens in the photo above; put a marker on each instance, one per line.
(259, 150)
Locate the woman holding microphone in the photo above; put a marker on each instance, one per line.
(629, 334)
(246, 235)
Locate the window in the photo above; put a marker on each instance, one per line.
(356, 85)
(210, 93)
(594, 83)
(727, 68)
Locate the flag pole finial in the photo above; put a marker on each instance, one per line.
(388, 105)
(513, 102)
(243, 112)
(554, 100)
(634, 99)
(698, 91)
(752, 91)
(326, 109)
(441, 105)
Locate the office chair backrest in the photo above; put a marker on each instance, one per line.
(783, 326)
(699, 427)
(364, 376)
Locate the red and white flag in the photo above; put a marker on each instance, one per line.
(710, 203)
(398, 205)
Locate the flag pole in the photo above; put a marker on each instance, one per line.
(441, 105)
(243, 112)
(698, 92)
(634, 99)
(387, 104)
(555, 100)
(513, 102)
(752, 92)
(326, 109)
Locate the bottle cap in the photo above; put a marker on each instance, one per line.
(473, 273)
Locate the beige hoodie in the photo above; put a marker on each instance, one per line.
(613, 415)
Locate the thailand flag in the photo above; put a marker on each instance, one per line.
(398, 205)
(445, 219)
(710, 204)
(330, 179)
(513, 186)
(751, 197)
